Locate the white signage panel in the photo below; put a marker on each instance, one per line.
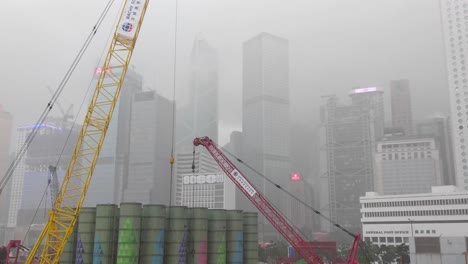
(243, 182)
(130, 18)
(203, 179)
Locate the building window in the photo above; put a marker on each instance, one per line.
(390, 240)
(416, 232)
(398, 240)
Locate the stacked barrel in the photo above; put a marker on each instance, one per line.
(105, 236)
(156, 234)
(250, 238)
(153, 227)
(198, 236)
(216, 236)
(129, 233)
(177, 236)
(235, 237)
(85, 235)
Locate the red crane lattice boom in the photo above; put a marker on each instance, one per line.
(263, 205)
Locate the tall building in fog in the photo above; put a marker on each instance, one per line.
(200, 116)
(454, 15)
(402, 114)
(350, 133)
(407, 165)
(112, 166)
(266, 116)
(438, 128)
(6, 120)
(30, 177)
(148, 177)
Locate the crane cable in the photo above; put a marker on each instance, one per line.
(171, 159)
(297, 199)
(276, 208)
(9, 173)
(103, 15)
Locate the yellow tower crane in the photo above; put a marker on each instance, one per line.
(73, 190)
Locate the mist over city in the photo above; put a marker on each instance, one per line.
(204, 131)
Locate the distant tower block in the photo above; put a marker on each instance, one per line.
(402, 114)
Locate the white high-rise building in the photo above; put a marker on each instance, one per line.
(454, 15)
(203, 164)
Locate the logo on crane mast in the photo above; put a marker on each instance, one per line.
(127, 27)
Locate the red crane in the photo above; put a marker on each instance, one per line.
(264, 206)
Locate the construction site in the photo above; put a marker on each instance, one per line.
(132, 233)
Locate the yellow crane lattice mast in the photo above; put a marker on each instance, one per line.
(88, 146)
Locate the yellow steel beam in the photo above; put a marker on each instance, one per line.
(83, 161)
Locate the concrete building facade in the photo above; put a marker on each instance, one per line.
(204, 164)
(406, 165)
(149, 172)
(454, 15)
(266, 117)
(350, 133)
(434, 225)
(402, 113)
(438, 128)
(210, 190)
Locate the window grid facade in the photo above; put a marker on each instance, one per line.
(407, 164)
(393, 219)
(454, 15)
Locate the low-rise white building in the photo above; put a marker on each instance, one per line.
(439, 217)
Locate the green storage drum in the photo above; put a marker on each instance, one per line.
(250, 238)
(235, 237)
(105, 237)
(198, 236)
(69, 252)
(129, 233)
(85, 235)
(216, 236)
(152, 234)
(177, 236)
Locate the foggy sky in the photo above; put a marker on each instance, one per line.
(334, 45)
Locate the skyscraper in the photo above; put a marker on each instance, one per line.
(29, 180)
(438, 128)
(200, 116)
(350, 133)
(5, 140)
(402, 114)
(454, 15)
(112, 165)
(265, 119)
(148, 177)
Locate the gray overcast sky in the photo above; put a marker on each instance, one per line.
(334, 45)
